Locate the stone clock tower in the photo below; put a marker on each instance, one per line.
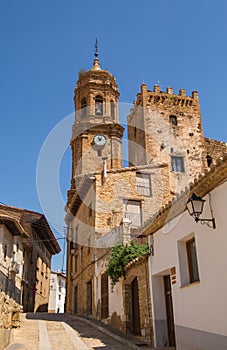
(97, 135)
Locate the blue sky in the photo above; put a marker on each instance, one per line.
(45, 43)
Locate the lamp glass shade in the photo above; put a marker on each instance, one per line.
(195, 205)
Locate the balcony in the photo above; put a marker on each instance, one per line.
(111, 238)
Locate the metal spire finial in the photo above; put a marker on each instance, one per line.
(96, 48)
(96, 65)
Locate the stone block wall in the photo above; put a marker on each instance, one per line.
(121, 185)
(9, 312)
(9, 318)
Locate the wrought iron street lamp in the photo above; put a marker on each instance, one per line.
(195, 206)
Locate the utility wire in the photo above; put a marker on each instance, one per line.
(47, 240)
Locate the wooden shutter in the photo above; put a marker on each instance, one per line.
(143, 184)
(132, 211)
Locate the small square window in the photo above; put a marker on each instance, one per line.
(177, 163)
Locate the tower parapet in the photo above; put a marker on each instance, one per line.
(160, 99)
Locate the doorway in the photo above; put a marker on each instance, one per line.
(89, 298)
(75, 299)
(169, 310)
(135, 308)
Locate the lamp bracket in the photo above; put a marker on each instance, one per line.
(209, 222)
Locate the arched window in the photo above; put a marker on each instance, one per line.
(173, 120)
(98, 105)
(83, 107)
(112, 109)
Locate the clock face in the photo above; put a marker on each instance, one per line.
(99, 140)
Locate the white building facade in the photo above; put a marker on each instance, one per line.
(57, 292)
(188, 272)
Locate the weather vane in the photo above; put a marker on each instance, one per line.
(96, 48)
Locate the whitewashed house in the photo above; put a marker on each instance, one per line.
(57, 292)
(188, 267)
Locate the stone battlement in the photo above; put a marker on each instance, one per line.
(158, 97)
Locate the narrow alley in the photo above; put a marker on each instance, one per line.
(43, 331)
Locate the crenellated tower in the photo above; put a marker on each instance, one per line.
(166, 127)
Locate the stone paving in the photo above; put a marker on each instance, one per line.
(43, 331)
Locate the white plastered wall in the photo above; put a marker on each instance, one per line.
(201, 305)
(115, 294)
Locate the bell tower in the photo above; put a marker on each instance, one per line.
(97, 134)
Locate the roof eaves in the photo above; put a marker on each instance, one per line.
(5, 218)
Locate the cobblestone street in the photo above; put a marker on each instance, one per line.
(43, 331)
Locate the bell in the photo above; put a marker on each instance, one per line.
(98, 109)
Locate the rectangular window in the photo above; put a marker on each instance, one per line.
(188, 263)
(89, 245)
(143, 184)
(132, 211)
(82, 253)
(104, 296)
(192, 260)
(177, 163)
(76, 263)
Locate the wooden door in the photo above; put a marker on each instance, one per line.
(89, 298)
(135, 308)
(169, 310)
(104, 296)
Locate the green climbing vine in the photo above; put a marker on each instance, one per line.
(120, 256)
